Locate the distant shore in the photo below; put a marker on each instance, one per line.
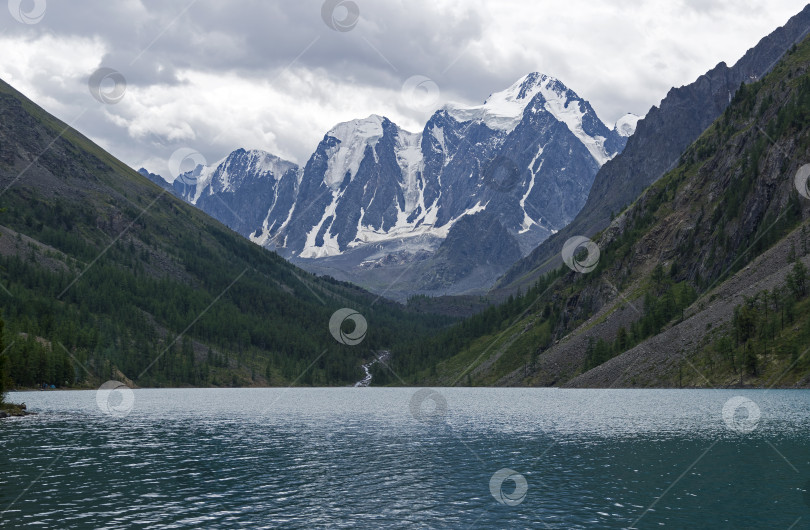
(523, 387)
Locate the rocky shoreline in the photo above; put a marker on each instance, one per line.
(11, 410)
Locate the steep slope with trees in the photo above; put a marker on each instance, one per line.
(703, 240)
(104, 275)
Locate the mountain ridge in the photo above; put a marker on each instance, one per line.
(701, 281)
(372, 190)
(660, 138)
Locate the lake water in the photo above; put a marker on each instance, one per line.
(372, 457)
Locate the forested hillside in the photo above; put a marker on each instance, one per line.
(104, 275)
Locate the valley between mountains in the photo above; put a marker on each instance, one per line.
(519, 242)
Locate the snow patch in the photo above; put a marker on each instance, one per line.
(202, 176)
(438, 134)
(404, 230)
(569, 111)
(626, 125)
(345, 157)
(502, 110)
(330, 245)
(263, 163)
(409, 158)
(527, 219)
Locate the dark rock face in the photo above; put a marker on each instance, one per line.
(480, 237)
(243, 191)
(476, 241)
(157, 179)
(657, 144)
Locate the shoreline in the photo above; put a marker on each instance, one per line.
(744, 387)
(14, 410)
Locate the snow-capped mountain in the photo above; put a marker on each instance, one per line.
(241, 190)
(528, 154)
(626, 125)
(504, 111)
(373, 195)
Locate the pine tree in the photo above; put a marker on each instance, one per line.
(621, 340)
(797, 279)
(658, 275)
(3, 365)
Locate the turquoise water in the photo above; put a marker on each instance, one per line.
(370, 457)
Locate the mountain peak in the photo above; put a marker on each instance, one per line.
(524, 88)
(369, 128)
(260, 162)
(354, 136)
(626, 125)
(257, 154)
(503, 110)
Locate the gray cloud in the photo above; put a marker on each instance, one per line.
(220, 75)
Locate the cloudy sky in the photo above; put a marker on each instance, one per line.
(276, 75)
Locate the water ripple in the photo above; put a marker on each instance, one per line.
(347, 458)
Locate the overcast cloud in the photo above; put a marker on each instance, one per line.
(273, 75)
